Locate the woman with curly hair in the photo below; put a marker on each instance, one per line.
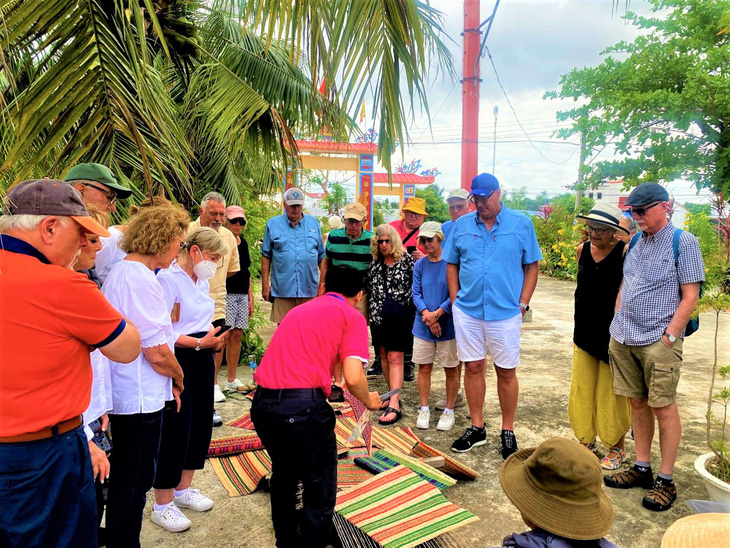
(152, 239)
(391, 310)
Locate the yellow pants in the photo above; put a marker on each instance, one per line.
(593, 408)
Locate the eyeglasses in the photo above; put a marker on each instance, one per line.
(409, 212)
(424, 240)
(598, 231)
(240, 221)
(354, 221)
(381, 242)
(641, 211)
(183, 245)
(111, 196)
(456, 207)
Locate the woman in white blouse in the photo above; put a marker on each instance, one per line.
(186, 434)
(152, 240)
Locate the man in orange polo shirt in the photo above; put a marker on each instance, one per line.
(51, 318)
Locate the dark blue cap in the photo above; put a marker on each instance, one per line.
(484, 184)
(647, 193)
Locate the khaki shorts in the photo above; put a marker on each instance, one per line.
(649, 372)
(282, 305)
(425, 352)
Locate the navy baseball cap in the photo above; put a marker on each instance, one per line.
(484, 184)
(647, 193)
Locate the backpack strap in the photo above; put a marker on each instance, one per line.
(675, 245)
(634, 239)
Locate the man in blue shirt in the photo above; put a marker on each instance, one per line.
(492, 273)
(290, 257)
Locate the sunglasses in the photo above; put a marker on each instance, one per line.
(111, 196)
(483, 199)
(598, 231)
(240, 221)
(381, 242)
(424, 240)
(641, 211)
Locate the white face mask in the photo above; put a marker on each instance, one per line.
(205, 270)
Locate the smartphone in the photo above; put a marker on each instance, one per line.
(410, 249)
(224, 328)
(101, 438)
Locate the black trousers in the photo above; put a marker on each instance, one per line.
(297, 429)
(133, 462)
(186, 434)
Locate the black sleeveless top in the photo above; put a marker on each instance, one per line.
(595, 299)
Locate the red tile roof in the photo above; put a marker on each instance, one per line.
(405, 179)
(337, 147)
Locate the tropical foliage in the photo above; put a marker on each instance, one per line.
(193, 95)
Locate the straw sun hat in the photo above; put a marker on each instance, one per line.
(605, 214)
(558, 486)
(698, 531)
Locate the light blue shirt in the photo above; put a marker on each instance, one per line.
(446, 228)
(491, 262)
(295, 253)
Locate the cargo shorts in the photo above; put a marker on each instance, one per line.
(649, 372)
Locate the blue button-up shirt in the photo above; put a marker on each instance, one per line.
(295, 253)
(490, 262)
(650, 293)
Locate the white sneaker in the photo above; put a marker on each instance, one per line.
(217, 419)
(218, 396)
(460, 402)
(194, 500)
(445, 422)
(171, 519)
(424, 418)
(234, 385)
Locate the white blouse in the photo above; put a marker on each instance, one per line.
(110, 253)
(101, 391)
(195, 304)
(133, 290)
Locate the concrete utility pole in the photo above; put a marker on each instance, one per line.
(470, 94)
(579, 183)
(494, 145)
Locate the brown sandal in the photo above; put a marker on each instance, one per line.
(388, 411)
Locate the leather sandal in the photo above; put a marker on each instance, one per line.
(384, 405)
(388, 411)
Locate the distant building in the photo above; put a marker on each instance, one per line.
(613, 193)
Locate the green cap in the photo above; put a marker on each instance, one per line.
(100, 174)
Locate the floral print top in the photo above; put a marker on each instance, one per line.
(399, 280)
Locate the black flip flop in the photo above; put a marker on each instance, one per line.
(398, 416)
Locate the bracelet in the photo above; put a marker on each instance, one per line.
(197, 345)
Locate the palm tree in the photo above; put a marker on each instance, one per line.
(191, 95)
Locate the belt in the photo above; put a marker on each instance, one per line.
(45, 433)
(313, 394)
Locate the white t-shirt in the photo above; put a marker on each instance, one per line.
(101, 390)
(133, 290)
(196, 304)
(110, 253)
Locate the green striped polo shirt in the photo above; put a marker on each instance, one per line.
(341, 250)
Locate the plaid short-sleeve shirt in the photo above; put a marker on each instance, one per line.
(651, 292)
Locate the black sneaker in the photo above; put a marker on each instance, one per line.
(375, 369)
(509, 443)
(408, 374)
(472, 437)
(217, 420)
(661, 496)
(634, 477)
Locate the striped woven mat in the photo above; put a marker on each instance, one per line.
(452, 467)
(399, 509)
(244, 421)
(234, 445)
(400, 439)
(350, 474)
(384, 460)
(352, 537)
(241, 474)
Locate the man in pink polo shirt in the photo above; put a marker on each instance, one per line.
(290, 409)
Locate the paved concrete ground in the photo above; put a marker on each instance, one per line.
(545, 380)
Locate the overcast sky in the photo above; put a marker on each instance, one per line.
(532, 42)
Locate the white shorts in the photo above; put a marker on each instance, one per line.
(476, 338)
(426, 351)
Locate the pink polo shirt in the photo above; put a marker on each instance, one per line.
(310, 341)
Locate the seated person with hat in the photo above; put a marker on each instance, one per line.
(557, 489)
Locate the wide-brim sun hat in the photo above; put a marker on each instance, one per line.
(605, 214)
(698, 531)
(558, 486)
(416, 205)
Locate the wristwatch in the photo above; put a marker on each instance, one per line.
(526, 307)
(671, 338)
(197, 344)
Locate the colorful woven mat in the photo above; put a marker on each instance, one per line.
(241, 474)
(350, 474)
(234, 445)
(351, 537)
(452, 467)
(384, 460)
(244, 421)
(362, 416)
(400, 439)
(342, 409)
(398, 509)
